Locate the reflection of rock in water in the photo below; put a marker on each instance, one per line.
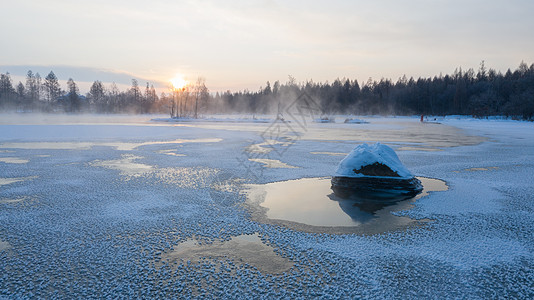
(308, 204)
(376, 188)
(349, 202)
(357, 207)
(354, 210)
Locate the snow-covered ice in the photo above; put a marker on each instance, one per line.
(89, 225)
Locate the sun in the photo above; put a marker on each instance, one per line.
(178, 82)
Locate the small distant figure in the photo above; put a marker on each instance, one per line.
(279, 115)
(422, 118)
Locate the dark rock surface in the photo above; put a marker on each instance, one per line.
(376, 188)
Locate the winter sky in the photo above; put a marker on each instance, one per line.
(242, 44)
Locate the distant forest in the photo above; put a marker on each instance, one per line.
(480, 93)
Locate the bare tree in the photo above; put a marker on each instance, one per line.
(200, 93)
(113, 95)
(32, 89)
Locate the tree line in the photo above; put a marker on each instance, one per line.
(46, 95)
(480, 93)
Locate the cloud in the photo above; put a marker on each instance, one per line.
(77, 73)
(83, 76)
(242, 44)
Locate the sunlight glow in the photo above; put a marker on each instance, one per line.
(178, 82)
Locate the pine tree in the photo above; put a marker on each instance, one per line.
(74, 99)
(7, 92)
(51, 86)
(97, 96)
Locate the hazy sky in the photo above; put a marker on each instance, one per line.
(242, 44)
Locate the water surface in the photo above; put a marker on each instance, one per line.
(309, 204)
(242, 249)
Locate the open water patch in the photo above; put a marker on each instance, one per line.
(310, 205)
(243, 249)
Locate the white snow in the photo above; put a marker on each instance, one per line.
(214, 119)
(271, 163)
(364, 154)
(13, 160)
(4, 245)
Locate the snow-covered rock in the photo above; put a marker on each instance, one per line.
(374, 171)
(353, 165)
(325, 120)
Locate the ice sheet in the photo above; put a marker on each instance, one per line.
(91, 234)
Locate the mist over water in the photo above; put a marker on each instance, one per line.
(65, 119)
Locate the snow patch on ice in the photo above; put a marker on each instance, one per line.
(13, 160)
(132, 146)
(6, 181)
(266, 146)
(171, 152)
(272, 163)
(329, 153)
(4, 245)
(125, 165)
(15, 200)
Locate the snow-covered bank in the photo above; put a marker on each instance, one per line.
(214, 119)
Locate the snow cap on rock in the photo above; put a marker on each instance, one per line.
(368, 155)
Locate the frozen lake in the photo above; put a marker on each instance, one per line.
(105, 206)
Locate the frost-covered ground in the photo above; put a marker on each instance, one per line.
(124, 207)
